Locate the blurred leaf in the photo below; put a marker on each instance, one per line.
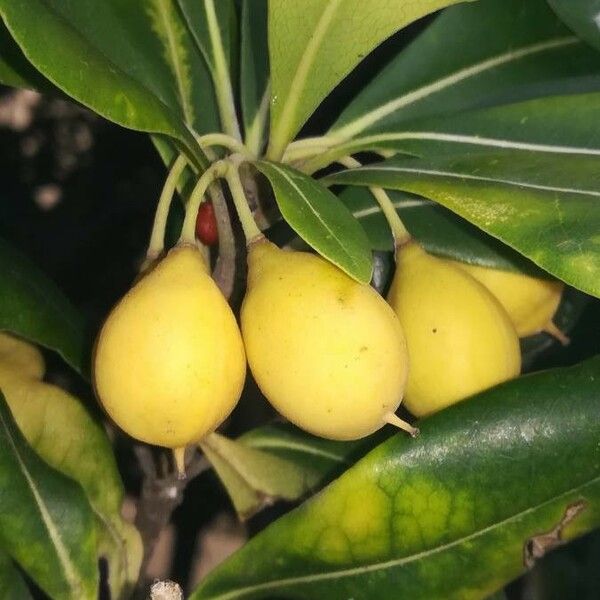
(321, 459)
(545, 206)
(455, 513)
(320, 219)
(254, 71)
(12, 585)
(487, 52)
(34, 308)
(255, 479)
(132, 62)
(313, 45)
(46, 523)
(581, 16)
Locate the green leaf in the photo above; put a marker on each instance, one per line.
(214, 28)
(12, 585)
(554, 124)
(46, 523)
(456, 513)
(254, 72)
(132, 62)
(313, 45)
(15, 69)
(581, 17)
(488, 52)
(255, 479)
(62, 432)
(34, 308)
(438, 229)
(543, 205)
(320, 219)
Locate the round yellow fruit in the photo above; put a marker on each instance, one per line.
(169, 364)
(20, 358)
(326, 351)
(529, 301)
(460, 339)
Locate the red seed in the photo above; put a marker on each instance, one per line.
(206, 224)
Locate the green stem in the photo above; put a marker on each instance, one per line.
(399, 231)
(157, 237)
(251, 230)
(188, 231)
(224, 140)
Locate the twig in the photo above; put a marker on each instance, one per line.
(159, 497)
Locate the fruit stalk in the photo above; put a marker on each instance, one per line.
(251, 230)
(188, 231)
(399, 231)
(157, 237)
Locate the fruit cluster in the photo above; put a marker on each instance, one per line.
(330, 354)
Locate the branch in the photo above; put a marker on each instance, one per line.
(161, 494)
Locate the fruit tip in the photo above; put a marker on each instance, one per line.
(179, 457)
(394, 420)
(556, 333)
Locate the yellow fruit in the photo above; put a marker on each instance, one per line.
(326, 351)
(169, 364)
(19, 357)
(530, 302)
(460, 339)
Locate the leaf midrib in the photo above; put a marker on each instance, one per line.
(457, 175)
(371, 117)
(298, 81)
(334, 237)
(399, 561)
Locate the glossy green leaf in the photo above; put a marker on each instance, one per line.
(46, 523)
(581, 16)
(543, 205)
(34, 308)
(455, 513)
(254, 72)
(12, 584)
(554, 124)
(62, 432)
(487, 52)
(253, 478)
(438, 229)
(313, 45)
(214, 28)
(132, 62)
(320, 219)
